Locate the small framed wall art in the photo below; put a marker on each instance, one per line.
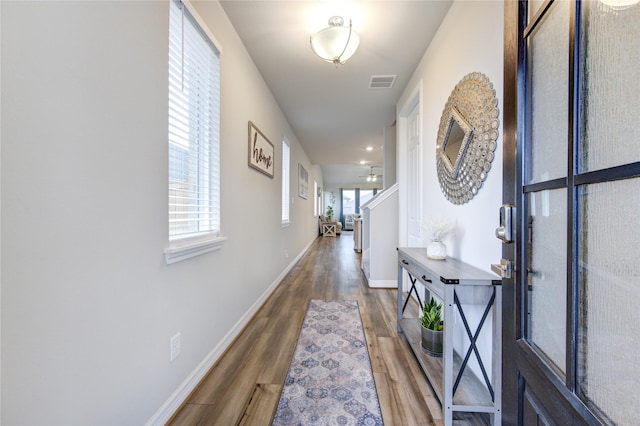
(303, 182)
(260, 151)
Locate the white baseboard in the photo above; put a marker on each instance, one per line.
(180, 395)
(383, 283)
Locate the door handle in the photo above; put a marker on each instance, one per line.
(504, 268)
(501, 233)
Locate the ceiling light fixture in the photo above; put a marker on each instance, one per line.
(336, 43)
(372, 177)
(620, 4)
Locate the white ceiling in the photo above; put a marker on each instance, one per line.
(333, 113)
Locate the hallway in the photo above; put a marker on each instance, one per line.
(244, 386)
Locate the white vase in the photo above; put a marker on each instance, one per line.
(436, 250)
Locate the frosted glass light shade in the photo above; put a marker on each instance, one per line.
(620, 4)
(336, 43)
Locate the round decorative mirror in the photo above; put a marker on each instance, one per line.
(467, 137)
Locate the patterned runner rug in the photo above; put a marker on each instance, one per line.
(330, 381)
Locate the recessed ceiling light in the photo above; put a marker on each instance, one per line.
(369, 148)
(363, 162)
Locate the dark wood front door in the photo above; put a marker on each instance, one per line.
(571, 172)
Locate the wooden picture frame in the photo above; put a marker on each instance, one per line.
(303, 182)
(261, 153)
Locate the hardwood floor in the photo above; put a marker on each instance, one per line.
(243, 388)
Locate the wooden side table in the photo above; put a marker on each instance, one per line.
(328, 229)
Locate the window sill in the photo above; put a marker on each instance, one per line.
(183, 250)
(286, 224)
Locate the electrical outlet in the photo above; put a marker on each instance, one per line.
(286, 254)
(174, 347)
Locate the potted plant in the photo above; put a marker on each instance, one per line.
(330, 212)
(432, 326)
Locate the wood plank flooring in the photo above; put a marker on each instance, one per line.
(243, 388)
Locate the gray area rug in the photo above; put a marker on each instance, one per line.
(330, 381)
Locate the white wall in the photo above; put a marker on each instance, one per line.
(469, 39)
(390, 149)
(88, 303)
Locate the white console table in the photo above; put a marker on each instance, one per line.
(456, 284)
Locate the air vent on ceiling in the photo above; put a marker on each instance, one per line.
(382, 81)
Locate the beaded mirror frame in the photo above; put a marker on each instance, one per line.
(467, 137)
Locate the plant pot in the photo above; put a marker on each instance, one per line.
(432, 341)
(436, 250)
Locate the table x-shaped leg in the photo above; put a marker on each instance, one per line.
(472, 339)
(412, 289)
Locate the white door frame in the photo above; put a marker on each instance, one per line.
(414, 100)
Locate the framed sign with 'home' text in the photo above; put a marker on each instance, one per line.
(260, 151)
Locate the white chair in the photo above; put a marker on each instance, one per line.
(348, 222)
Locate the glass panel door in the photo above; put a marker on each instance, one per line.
(609, 215)
(572, 171)
(609, 351)
(610, 85)
(546, 166)
(548, 99)
(547, 276)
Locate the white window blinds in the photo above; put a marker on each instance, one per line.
(194, 128)
(286, 154)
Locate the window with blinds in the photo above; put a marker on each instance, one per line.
(194, 127)
(286, 155)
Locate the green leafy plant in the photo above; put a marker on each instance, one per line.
(330, 212)
(432, 315)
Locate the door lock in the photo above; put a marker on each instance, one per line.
(505, 230)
